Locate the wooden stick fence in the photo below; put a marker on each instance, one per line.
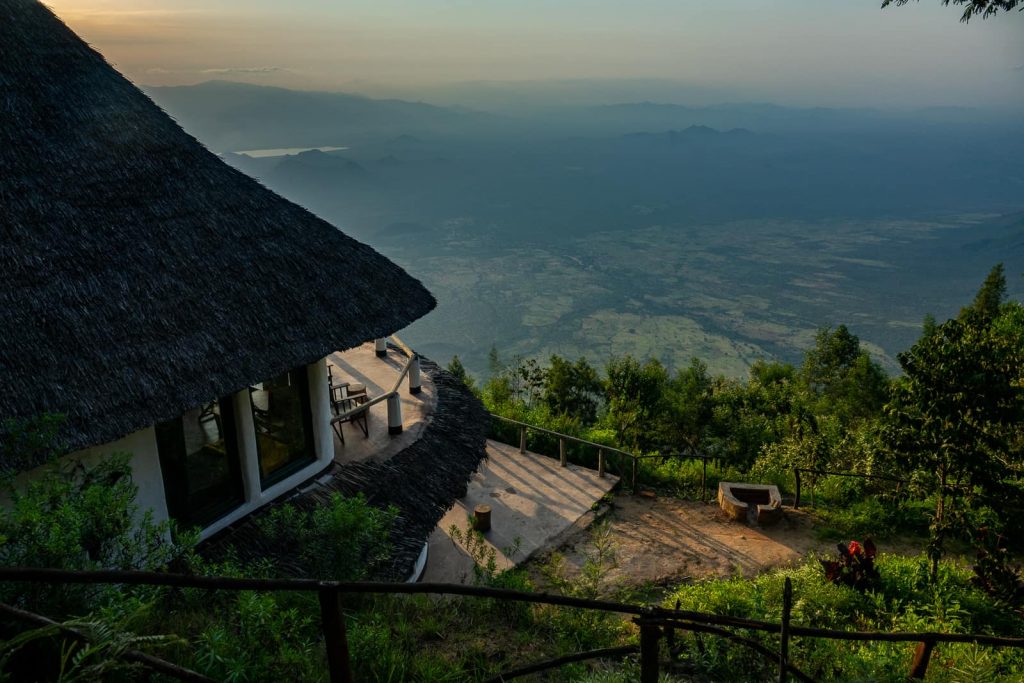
(655, 623)
(798, 470)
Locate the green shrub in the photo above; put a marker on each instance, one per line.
(906, 600)
(344, 540)
(81, 517)
(261, 638)
(876, 517)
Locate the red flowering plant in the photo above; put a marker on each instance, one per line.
(855, 566)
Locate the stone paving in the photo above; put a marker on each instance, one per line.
(533, 502)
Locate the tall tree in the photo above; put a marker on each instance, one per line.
(689, 408)
(458, 370)
(991, 296)
(956, 414)
(841, 377)
(573, 389)
(634, 393)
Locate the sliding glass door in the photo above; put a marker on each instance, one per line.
(199, 459)
(284, 425)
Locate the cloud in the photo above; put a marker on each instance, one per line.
(244, 70)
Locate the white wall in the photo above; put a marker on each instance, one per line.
(145, 462)
(145, 458)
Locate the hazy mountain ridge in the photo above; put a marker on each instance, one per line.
(729, 232)
(229, 116)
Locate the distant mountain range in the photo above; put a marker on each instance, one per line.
(230, 116)
(727, 231)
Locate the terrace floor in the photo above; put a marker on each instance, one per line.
(362, 365)
(533, 500)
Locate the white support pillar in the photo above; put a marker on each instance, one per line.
(381, 347)
(320, 403)
(415, 383)
(247, 447)
(394, 414)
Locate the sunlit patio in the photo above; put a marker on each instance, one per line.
(362, 366)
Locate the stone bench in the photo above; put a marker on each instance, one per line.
(737, 501)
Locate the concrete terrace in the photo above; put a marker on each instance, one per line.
(533, 501)
(362, 365)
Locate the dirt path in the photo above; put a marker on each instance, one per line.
(666, 540)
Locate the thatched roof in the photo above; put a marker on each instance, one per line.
(441, 462)
(141, 276)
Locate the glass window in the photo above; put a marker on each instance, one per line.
(284, 425)
(199, 460)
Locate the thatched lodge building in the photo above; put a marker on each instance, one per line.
(166, 304)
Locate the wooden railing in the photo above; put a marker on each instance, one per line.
(563, 439)
(410, 369)
(655, 623)
(797, 471)
(633, 458)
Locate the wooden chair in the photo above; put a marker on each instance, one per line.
(344, 397)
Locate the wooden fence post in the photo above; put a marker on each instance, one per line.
(634, 475)
(332, 621)
(922, 655)
(787, 608)
(649, 667)
(562, 460)
(704, 481)
(670, 638)
(522, 439)
(796, 501)
(600, 462)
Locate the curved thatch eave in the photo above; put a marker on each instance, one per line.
(141, 275)
(441, 462)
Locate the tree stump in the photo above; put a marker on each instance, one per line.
(482, 518)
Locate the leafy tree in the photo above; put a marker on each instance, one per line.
(343, 539)
(573, 389)
(841, 377)
(634, 392)
(764, 373)
(973, 8)
(956, 414)
(689, 408)
(990, 297)
(494, 364)
(748, 416)
(458, 371)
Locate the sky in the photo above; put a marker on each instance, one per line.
(805, 52)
